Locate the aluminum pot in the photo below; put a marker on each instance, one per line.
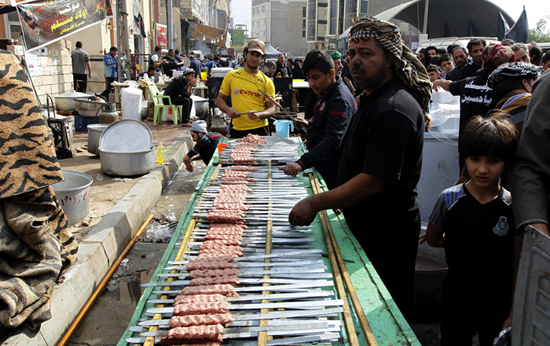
(73, 193)
(127, 164)
(88, 108)
(64, 102)
(94, 133)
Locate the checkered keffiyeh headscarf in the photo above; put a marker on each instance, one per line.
(495, 55)
(407, 67)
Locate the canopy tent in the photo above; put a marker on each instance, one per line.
(271, 52)
(448, 18)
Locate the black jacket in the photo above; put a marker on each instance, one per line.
(331, 116)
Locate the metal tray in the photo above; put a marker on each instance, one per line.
(126, 136)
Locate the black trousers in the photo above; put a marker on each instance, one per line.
(185, 102)
(81, 85)
(109, 89)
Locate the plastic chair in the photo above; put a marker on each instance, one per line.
(159, 105)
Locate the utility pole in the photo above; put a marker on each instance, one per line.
(122, 39)
(169, 29)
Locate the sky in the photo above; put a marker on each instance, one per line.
(536, 9)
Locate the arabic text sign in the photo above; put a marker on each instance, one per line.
(44, 22)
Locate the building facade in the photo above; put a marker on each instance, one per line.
(281, 23)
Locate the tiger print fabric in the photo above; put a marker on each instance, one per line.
(27, 155)
(35, 241)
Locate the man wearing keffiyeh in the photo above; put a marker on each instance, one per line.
(382, 156)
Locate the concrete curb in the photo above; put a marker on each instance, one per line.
(100, 249)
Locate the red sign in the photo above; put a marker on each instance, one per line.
(161, 39)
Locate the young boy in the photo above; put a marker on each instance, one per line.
(433, 72)
(475, 224)
(205, 147)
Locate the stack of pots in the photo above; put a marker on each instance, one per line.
(126, 149)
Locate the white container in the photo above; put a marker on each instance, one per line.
(130, 102)
(73, 195)
(220, 71)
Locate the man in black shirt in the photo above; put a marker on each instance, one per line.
(475, 48)
(460, 59)
(171, 63)
(382, 156)
(179, 91)
(282, 69)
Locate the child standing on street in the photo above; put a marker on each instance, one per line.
(474, 222)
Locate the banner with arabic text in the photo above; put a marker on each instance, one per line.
(44, 22)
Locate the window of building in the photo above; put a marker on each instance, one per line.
(13, 26)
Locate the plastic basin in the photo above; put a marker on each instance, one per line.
(73, 195)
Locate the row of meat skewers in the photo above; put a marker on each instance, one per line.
(246, 271)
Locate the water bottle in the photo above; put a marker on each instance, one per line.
(160, 153)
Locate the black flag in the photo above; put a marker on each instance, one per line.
(503, 27)
(520, 31)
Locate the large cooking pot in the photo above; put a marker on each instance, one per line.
(127, 164)
(64, 102)
(88, 108)
(126, 148)
(94, 133)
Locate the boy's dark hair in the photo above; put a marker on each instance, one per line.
(434, 60)
(545, 58)
(177, 51)
(431, 48)
(445, 57)
(441, 51)
(492, 136)
(78, 44)
(318, 60)
(476, 42)
(157, 48)
(536, 52)
(113, 49)
(432, 68)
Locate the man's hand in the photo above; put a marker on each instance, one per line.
(90, 75)
(233, 113)
(252, 115)
(303, 213)
(441, 83)
(163, 62)
(189, 167)
(300, 122)
(292, 169)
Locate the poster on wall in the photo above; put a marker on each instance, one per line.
(238, 39)
(44, 22)
(161, 39)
